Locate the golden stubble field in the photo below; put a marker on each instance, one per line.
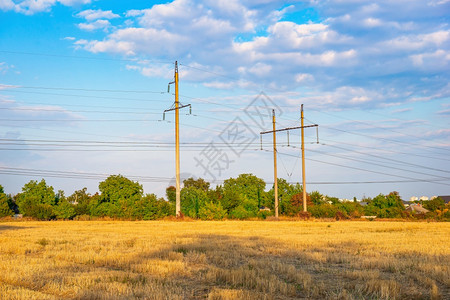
(224, 260)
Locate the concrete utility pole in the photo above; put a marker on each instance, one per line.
(275, 156)
(176, 108)
(275, 164)
(303, 161)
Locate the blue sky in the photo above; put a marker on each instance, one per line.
(83, 85)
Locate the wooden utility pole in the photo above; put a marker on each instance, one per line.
(275, 164)
(303, 161)
(176, 108)
(275, 156)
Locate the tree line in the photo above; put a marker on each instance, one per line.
(243, 197)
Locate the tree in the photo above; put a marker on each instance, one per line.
(200, 183)
(118, 196)
(81, 200)
(5, 209)
(316, 197)
(285, 193)
(64, 210)
(390, 206)
(246, 190)
(435, 204)
(191, 200)
(212, 211)
(151, 208)
(37, 200)
(171, 194)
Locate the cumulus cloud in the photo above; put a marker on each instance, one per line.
(98, 24)
(30, 7)
(92, 15)
(356, 53)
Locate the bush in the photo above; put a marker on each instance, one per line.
(64, 210)
(211, 211)
(263, 214)
(323, 211)
(41, 212)
(241, 213)
(5, 210)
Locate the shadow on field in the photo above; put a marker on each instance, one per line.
(215, 266)
(9, 227)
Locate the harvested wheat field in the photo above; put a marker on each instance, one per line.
(224, 260)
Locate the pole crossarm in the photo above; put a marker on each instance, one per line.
(180, 107)
(289, 128)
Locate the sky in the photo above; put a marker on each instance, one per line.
(84, 84)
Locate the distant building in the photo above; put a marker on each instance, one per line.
(263, 208)
(417, 209)
(445, 198)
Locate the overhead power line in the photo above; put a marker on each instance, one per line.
(84, 57)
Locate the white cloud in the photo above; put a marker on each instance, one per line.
(99, 24)
(434, 60)
(30, 7)
(91, 15)
(356, 45)
(417, 42)
(6, 5)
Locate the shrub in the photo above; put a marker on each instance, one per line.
(41, 211)
(211, 211)
(4, 206)
(241, 213)
(64, 210)
(323, 211)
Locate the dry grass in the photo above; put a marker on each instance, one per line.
(224, 260)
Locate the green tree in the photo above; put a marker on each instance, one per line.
(286, 191)
(435, 204)
(212, 211)
(37, 200)
(245, 190)
(81, 200)
(390, 206)
(5, 209)
(64, 210)
(121, 194)
(191, 200)
(316, 197)
(151, 208)
(171, 193)
(200, 184)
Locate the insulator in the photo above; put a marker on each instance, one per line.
(317, 133)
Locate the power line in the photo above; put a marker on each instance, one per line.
(366, 170)
(83, 89)
(389, 159)
(84, 57)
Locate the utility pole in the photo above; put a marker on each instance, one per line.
(275, 164)
(303, 160)
(275, 156)
(176, 107)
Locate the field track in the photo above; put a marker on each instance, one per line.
(224, 260)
